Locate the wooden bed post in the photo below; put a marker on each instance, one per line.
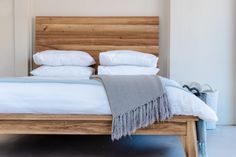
(190, 140)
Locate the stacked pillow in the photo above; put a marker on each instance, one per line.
(57, 63)
(127, 62)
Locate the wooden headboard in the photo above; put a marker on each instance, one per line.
(97, 34)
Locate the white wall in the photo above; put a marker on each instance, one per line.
(6, 38)
(202, 48)
(234, 40)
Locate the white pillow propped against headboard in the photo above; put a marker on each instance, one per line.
(63, 58)
(63, 71)
(127, 62)
(127, 70)
(127, 57)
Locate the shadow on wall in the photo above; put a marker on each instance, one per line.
(234, 40)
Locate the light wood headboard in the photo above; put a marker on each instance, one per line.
(97, 34)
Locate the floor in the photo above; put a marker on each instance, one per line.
(220, 145)
(222, 142)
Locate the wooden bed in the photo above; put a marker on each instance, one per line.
(94, 35)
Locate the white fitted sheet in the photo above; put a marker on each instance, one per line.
(63, 98)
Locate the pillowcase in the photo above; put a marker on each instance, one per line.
(63, 71)
(59, 58)
(127, 57)
(127, 70)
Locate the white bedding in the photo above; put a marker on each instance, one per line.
(62, 98)
(127, 70)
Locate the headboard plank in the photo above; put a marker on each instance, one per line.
(97, 34)
(98, 20)
(98, 41)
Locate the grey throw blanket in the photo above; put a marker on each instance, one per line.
(135, 102)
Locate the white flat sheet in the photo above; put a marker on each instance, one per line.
(62, 98)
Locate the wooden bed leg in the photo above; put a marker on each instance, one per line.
(190, 140)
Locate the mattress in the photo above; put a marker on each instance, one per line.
(84, 97)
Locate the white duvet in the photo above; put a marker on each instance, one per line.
(61, 98)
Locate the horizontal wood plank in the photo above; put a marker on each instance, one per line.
(55, 127)
(98, 20)
(101, 36)
(99, 48)
(98, 41)
(81, 117)
(83, 127)
(164, 128)
(94, 29)
(83, 124)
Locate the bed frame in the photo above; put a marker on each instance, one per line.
(94, 35)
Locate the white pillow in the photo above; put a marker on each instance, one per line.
(59, 58)
(127, 57)
(127, 70)
(63, 71)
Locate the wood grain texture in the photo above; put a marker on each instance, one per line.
(82, 124)
(189, 141)
(72, 117)
(84, 128)
(75, 29)
(183, 126)
(97, 34)
(127, 20)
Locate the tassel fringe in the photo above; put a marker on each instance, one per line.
(127, 123)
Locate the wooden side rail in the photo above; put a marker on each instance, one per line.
(183, 126)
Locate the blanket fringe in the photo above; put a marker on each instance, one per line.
(127, 123)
